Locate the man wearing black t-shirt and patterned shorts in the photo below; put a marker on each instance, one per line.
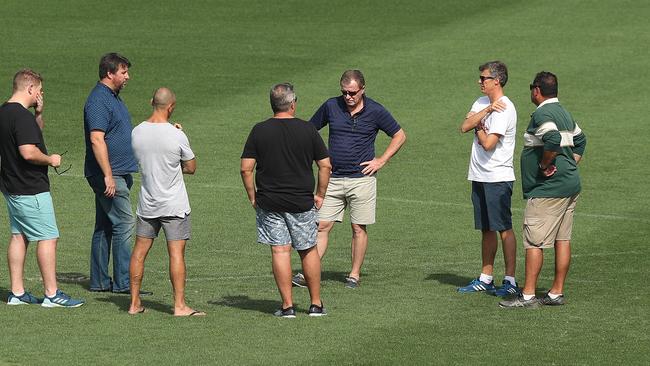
(26, 188)
(281, 151)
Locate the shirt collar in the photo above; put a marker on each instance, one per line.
(116, 95)
(547, 101)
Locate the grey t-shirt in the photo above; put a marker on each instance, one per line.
(159, 149)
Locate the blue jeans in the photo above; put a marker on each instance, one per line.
(114, 223)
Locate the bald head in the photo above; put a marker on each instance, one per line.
(163, 98)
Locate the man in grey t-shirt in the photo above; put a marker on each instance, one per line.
(164, 155)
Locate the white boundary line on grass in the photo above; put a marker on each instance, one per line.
(424, 202)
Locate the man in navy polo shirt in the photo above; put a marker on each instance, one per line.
(354, 121)
(108, 167)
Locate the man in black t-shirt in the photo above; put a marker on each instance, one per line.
(26, 188)
(281, 151)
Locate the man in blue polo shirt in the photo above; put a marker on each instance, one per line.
(354, 121)
(108, 167)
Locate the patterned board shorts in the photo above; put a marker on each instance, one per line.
(284, 228)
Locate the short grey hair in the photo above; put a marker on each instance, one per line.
(498, 70)
(353, 75)
(282, 95)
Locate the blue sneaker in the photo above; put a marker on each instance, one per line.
(24, 299)
(507, 289)
(61, 300)
(477, 286)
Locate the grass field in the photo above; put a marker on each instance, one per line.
(420, 59)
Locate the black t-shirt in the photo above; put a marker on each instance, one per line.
(284, 150)
(18, 176)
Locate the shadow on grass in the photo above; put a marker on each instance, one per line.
(449, 279)
(75, 278)
(333, 276)
(124, 301)
(246, 303)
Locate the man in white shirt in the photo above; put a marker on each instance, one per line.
(493, 119)
(163, 153)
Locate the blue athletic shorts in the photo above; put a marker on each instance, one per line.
(32, 215)
(492, 202)
(284, 228)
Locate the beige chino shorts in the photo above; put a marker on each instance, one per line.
(547, 220)
(359, 194)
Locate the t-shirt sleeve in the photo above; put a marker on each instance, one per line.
(97, 116)
(320, 151)
(250, 152)
(27, 130)
(320, 117)
(387, 123)
(477, 106)
(579, 141)
(186, 151)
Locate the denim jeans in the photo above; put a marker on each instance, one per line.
(114, 223)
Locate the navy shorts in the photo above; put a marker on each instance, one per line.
(492, 203)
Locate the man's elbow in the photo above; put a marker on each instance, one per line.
(488, 147)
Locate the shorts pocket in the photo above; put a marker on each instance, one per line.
(534, 232)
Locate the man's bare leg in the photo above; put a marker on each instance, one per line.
(534, 262)
(488, 251)
(177, 275)
(312, 269)
(281, 263)
(324, 228)
(136, 271)
(509, 243)
(562, 262)
(46, 256)
(16, 252)
(359, 247)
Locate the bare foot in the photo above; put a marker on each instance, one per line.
(138, 310)
(189, 312)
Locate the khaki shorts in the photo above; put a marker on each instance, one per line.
(547, 220)
(359, 194)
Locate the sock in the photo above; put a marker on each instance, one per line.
(554, 296)
(511, 280)
(485, 278)
(527, 297)
(19, 295)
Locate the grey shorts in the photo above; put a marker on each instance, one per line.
(176, 228)
(284, 228)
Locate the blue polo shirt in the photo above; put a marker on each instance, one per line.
(352, 138)
(105, 111)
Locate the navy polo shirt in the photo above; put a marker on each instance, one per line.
(352, 138)
(105, 111)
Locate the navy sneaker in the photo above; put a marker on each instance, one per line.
(478, 286)
(315, 310)
(351, 282)
(61, 300)
(299, 280)
(288, 313)
(24, 299)
(519, 302)
(507, 289)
